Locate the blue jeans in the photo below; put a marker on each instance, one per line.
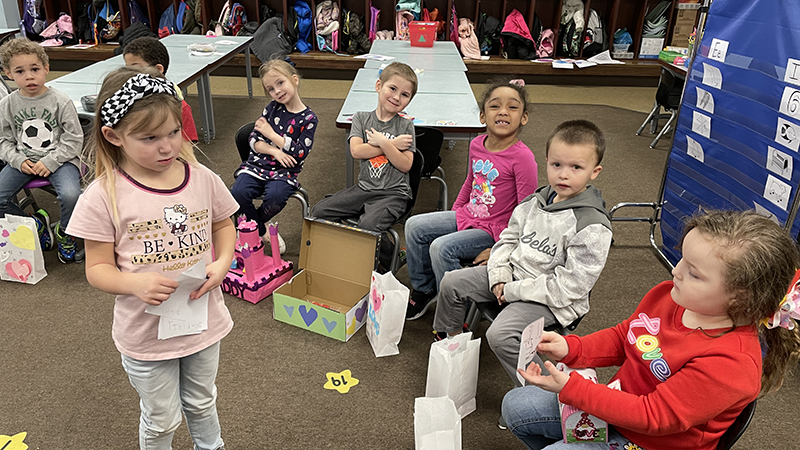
(66, 180)
(273, 193)
(168, 387)
(435, 246)
(532, 415)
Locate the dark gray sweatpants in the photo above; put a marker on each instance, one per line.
(376, 210)
(459, 287)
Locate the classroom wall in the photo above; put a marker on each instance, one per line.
(9, 14)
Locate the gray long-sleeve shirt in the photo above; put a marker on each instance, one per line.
(44, 128)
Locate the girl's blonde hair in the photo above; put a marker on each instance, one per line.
(760, 260)
(145, 114)
(277, 65)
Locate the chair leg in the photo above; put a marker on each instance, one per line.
(665, 129)
(473, 317)
(647, 120)
(442, 193)
(395, 264)
(302, 196)
(29, 200)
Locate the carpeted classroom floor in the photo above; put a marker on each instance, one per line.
(62, 382)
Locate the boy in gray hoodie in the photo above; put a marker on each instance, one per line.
(549, 257)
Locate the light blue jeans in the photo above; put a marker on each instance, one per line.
(434, 246)
(66, 180)
(168, 387)
(532, 415)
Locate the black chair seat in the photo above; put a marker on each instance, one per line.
(737, 429)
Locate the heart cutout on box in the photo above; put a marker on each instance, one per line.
(309, 314)
(352, 328)
(360, 312)
(20, 270)
(289, 310)
(329, 325)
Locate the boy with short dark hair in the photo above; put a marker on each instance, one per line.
(548, 259)
(40, 136)
(385, 144)
(150, 52)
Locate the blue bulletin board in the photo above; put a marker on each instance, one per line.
(737, 136)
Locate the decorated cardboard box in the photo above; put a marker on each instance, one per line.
(254, 276)
(329, 294)
(576, 425)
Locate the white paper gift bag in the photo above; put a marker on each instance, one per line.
(21, 258)
(388, 300)
(453, 371)
(437, 424)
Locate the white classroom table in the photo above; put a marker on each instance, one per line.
(184, 69)
(442, 56)
(438, 82)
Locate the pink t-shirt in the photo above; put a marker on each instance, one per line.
(163, 231)
(496, 183)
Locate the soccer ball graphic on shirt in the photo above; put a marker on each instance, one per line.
(37, 134)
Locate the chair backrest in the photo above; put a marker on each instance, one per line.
(414, 175)
(737, 429)
(242, 138)
(669, 90)
(429, 143)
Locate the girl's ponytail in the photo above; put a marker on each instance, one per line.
(780, 335)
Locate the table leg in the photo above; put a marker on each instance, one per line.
(210, 104)
(204, 107)
(249, 72)
(348, 161)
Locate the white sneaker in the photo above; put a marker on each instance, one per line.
(267, 244)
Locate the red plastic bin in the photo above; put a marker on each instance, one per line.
(422, 34)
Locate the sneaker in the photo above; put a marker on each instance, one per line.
(418, 304)
(268, 244)
(501, 423)
(67, 250)
(42, 220)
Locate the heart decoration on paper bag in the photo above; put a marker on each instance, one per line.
(19, 269)
(23, 238)
(452, 347)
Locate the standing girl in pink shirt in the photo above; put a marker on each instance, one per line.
(151, 213)
(502, 171)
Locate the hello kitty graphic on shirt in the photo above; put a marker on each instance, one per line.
(481, 196)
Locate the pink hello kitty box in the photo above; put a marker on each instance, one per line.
(577, 425)
(329, 294)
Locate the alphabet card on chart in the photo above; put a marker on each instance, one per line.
(705, 100)
(181, 316)
(779, 162)
(777, 192)
(531, 336)
(718, 50)
(787, 134)
(792, 74)
(712, 76)
(694, 149)
(701, 124)
(790, 102)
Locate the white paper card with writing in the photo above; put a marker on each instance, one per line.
(718, 50)
(787, 134)
(705, 100)
(701, 124)
(792, 74)
(694, 149)
(790, 102)
(181, 316)
(712, 76)
(531, 336)
(779, 162)
(777, 192)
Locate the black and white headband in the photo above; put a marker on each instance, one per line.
(136, 88)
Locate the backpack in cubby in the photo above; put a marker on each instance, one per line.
(137, 14)
(33, 21)
(236, 20)
(167, 24)
(304, 25)
(488, 31)
(402, 19)
(354, 40)
(516, 39)
(374, 17)
(571, 29)
(595, 40)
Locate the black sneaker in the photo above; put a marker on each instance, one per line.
(418, 304)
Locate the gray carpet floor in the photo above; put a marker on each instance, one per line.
(61, 380)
